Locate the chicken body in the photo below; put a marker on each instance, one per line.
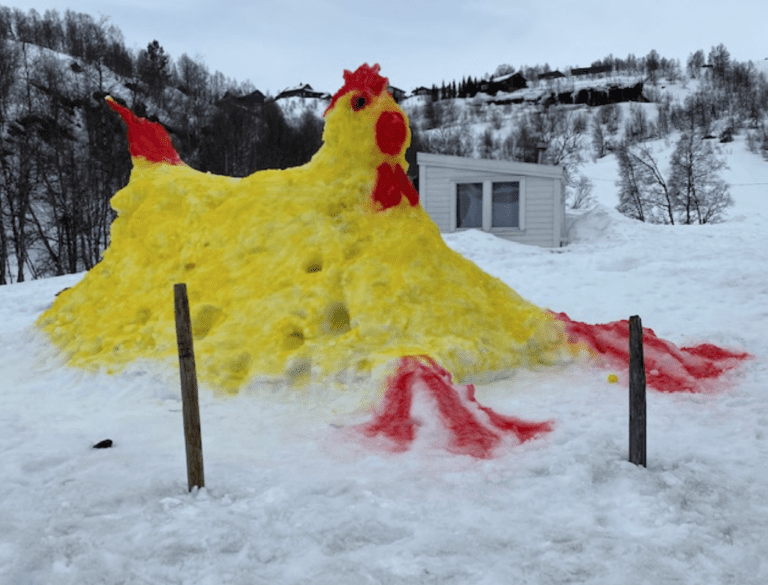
(330, 269)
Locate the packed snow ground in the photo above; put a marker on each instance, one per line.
(291, 499)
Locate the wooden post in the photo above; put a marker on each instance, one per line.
(189, 402)
(636, 392)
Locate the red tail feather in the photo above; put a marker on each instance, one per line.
(147, 139)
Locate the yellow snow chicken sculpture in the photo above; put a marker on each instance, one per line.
(323, 270)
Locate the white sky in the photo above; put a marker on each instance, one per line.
(280, 43)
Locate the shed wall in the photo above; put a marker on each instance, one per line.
(542, 199)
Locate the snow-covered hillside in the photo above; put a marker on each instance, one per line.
(291, 499)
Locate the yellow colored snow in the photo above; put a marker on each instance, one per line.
(292, 275)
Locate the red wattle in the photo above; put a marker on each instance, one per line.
(405, 185)
(147, 139)
(391, 185)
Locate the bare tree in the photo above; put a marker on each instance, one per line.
(563, 133)
(700, 193)
(637, 127)
(610, 116)
(580, 195)
(695, 63)
(663, 119)
(644, 192)
(720, 60)
(598, 137)
(633, 200)
(486, 145)
(652, 65)
(656, 189)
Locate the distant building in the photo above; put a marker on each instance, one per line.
(252, 99)
(577, 71)
(508, 83)
(301, 90)
(397, 94)
(421, 91)
(551, 75)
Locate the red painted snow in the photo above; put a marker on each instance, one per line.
(391, 185)
(477, 430)
(473, 429)
(668, 368)
(147, 139)
(391, 132)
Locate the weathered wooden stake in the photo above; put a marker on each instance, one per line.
(636, 392)
(189, 402)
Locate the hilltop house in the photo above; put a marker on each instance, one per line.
(397, 94)
(594, 70)
(520, 202)
(252, 99)
(302, 90)
(551, 75)
(507, 83)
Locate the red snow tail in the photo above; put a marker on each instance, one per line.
(146, 139)
(668, 368)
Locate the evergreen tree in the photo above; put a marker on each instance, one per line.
(153, 69)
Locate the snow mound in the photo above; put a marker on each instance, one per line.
(599, 223)
(477, 243)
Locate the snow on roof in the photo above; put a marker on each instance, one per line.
(298, 87)
(503, 77)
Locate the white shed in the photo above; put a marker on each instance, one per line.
(521, 202)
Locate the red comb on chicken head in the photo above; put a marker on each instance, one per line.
(391, 134)
(366, 80)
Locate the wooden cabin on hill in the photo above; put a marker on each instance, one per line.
(302, 90)
(397, 94)
(507, 83)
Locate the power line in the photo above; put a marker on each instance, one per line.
(731, 184)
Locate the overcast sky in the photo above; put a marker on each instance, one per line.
(280, 43)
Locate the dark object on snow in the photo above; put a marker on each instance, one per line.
(105, 444)
(62, 290)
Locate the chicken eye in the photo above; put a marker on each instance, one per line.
(358, 102)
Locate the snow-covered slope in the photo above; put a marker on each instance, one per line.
(291, 499)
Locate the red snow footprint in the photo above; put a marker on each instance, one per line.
(471, 429)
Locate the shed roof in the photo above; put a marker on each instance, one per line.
(493, 166)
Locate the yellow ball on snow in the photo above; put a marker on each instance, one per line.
(613, 378)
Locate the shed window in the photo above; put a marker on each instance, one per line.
(469, 205)
(491, 205)
(505, 198)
